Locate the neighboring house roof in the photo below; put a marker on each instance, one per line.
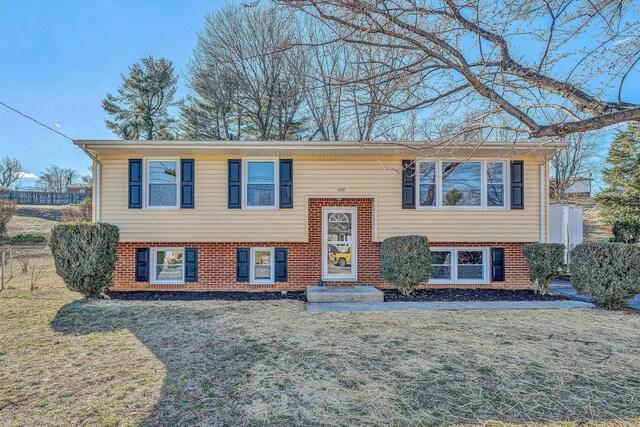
(580, 185)
(317, 148)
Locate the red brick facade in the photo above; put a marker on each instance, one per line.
(217, 266)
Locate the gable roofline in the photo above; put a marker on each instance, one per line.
(318, 148)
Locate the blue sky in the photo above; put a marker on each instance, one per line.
(58, 60)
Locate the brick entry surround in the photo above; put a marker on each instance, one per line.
(217, 266)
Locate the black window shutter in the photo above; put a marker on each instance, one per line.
(142, 264)
(282, 269)
(135, 183)
(517, 184)
(497, 264)
(286, 183)
(191, 264)
(242, 264)
(187, 181)
(408, 184)
(235, 184)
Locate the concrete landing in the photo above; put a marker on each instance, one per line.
(328, 294)
(462, 305)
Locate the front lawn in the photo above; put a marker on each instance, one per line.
(72, 362)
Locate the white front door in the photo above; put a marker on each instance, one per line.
(339, 240)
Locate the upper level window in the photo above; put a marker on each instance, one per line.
(162, 183)
(260, 184)
(428, 184)
(462, 184)
(495, 183)
(470, 184)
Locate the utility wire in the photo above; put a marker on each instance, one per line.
(32, 119)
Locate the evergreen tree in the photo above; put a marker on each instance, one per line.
(140, 111)
(621, 197)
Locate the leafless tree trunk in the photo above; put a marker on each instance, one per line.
(535, 68)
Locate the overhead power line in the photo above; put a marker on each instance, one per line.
(38, 122)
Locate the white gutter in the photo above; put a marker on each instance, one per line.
(96, 182)
(543, 204)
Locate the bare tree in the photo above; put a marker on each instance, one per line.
(56, 179)
(575, 161)
(10, 171)
(240, 67)
(515, 63)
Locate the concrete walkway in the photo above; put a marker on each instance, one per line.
(459, 305)
(564, 287)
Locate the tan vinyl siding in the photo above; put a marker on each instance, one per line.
(212, 221)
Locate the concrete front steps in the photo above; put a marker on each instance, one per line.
(359, 294)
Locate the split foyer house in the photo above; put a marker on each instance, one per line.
(282, 215)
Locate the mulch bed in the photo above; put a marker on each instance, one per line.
(209, 295)
(389, 295)
(452, 295)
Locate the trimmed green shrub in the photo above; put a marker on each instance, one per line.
(608, 273)
(406, 262)
(85, 255)
(27, 238)
(545, 262)
(626, 230)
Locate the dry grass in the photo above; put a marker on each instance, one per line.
(65, 362)
(29, 225)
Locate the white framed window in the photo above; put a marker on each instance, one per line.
(459, 265)
(427, 182)
(470, 184)
(260, 184)
(495, 178)
(167, 266)
(262, 266)
(162, 185)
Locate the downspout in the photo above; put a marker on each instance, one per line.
(96, 182)
(543, 202)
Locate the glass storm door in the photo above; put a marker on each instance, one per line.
(339, 243)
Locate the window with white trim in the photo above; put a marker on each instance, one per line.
(470, 184)
(161, 177)
(462, 183)
(428, 196)
(262, 265)
(260, 184)
(495, 183)
(168, 266)
(459, 265)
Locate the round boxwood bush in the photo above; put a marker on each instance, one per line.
(406, 262)
(545, 262)
(608, 273)
(85, 255)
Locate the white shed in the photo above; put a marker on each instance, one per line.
(565, 226)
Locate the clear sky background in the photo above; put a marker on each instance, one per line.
(58, 60)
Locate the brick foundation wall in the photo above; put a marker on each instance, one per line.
(217, 265)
